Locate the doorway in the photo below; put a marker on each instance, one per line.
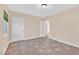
(44, 27)
(17, 28)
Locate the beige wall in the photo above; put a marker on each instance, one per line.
(65, 27)
(31, 27)
(13, 14)
(4, 41)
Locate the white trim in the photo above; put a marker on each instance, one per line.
(5, 43)
(28, 38)
(43, 35)
(35, 37)
(53, 38)
(6, 48)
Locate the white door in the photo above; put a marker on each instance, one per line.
(17, 28)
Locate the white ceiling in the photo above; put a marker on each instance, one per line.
(35, 9)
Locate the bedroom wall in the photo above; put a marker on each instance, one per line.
(4, 39)
(31, 27)
(64, 27)
(13, 17)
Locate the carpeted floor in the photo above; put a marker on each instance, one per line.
(41, 46)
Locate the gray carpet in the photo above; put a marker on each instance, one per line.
(41, 46)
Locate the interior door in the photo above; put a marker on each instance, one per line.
(17, 28)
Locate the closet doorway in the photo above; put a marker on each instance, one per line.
(17, 28)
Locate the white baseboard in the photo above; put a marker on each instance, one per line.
(29, 38)
(5, 43)
(6, 48)
(33, 37)
(43, 35)
(53, 38)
